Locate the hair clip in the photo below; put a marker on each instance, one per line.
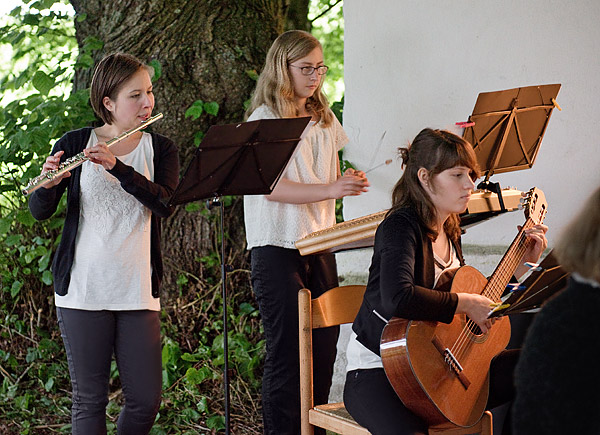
(465, 124)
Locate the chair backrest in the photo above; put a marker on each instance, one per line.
(334, 307)
(337, 306)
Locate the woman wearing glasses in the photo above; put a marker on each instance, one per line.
(302, 202)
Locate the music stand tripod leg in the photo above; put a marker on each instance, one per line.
(216, 202)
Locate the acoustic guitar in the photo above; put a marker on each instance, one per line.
(440, 371)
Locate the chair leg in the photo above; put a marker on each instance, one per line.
(306, 363)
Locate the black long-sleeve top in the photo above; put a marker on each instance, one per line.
(401, 279)
(44, 202)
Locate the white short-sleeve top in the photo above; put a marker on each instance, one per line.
(314, 162)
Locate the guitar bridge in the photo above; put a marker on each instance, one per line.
(451, 362)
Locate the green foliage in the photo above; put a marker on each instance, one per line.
(188, 377)
(338, 110)
(157, 67)
(327, 19)
(198, 107)
(196, 110)
(36, 108)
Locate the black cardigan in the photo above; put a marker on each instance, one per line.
(44, 202)
(401, 279)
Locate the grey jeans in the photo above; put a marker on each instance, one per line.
(90, 339)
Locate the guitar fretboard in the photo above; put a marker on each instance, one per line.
(508, 265)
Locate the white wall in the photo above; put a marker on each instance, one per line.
(416, 64)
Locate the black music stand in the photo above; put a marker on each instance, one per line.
(238, 159)
(506, 130)
(546, 280)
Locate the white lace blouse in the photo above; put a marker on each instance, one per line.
(314, 162)
(111, 269)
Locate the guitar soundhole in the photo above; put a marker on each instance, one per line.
(473, 328)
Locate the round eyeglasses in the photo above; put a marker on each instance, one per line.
(308, 70)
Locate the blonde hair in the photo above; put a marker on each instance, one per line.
(275, 88)
(578, 248)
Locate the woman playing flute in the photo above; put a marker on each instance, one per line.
(107, 269)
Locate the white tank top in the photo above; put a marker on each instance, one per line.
(111, 269)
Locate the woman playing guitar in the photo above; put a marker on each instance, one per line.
(415, 246)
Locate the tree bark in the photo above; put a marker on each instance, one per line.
(296, 15)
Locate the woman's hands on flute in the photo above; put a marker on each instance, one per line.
(101, 155)
(51, 164)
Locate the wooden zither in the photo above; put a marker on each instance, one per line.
(360, 232)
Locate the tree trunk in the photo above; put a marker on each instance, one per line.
(296, 15)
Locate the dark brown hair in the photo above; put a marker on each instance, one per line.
(435, 151)
(110, 75)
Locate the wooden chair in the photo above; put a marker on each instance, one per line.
(336, 307)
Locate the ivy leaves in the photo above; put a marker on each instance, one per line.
(196, 110)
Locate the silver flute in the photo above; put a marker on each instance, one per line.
(78, 159)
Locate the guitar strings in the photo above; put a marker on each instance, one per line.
(462, 343)
(519, 246)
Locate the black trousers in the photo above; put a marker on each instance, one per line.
(277, 275)
(373, 403)
(91, 338)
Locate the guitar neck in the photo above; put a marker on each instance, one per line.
(509, 264)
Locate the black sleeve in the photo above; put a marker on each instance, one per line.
(166, 176)
(44, 202)
(401, 256)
